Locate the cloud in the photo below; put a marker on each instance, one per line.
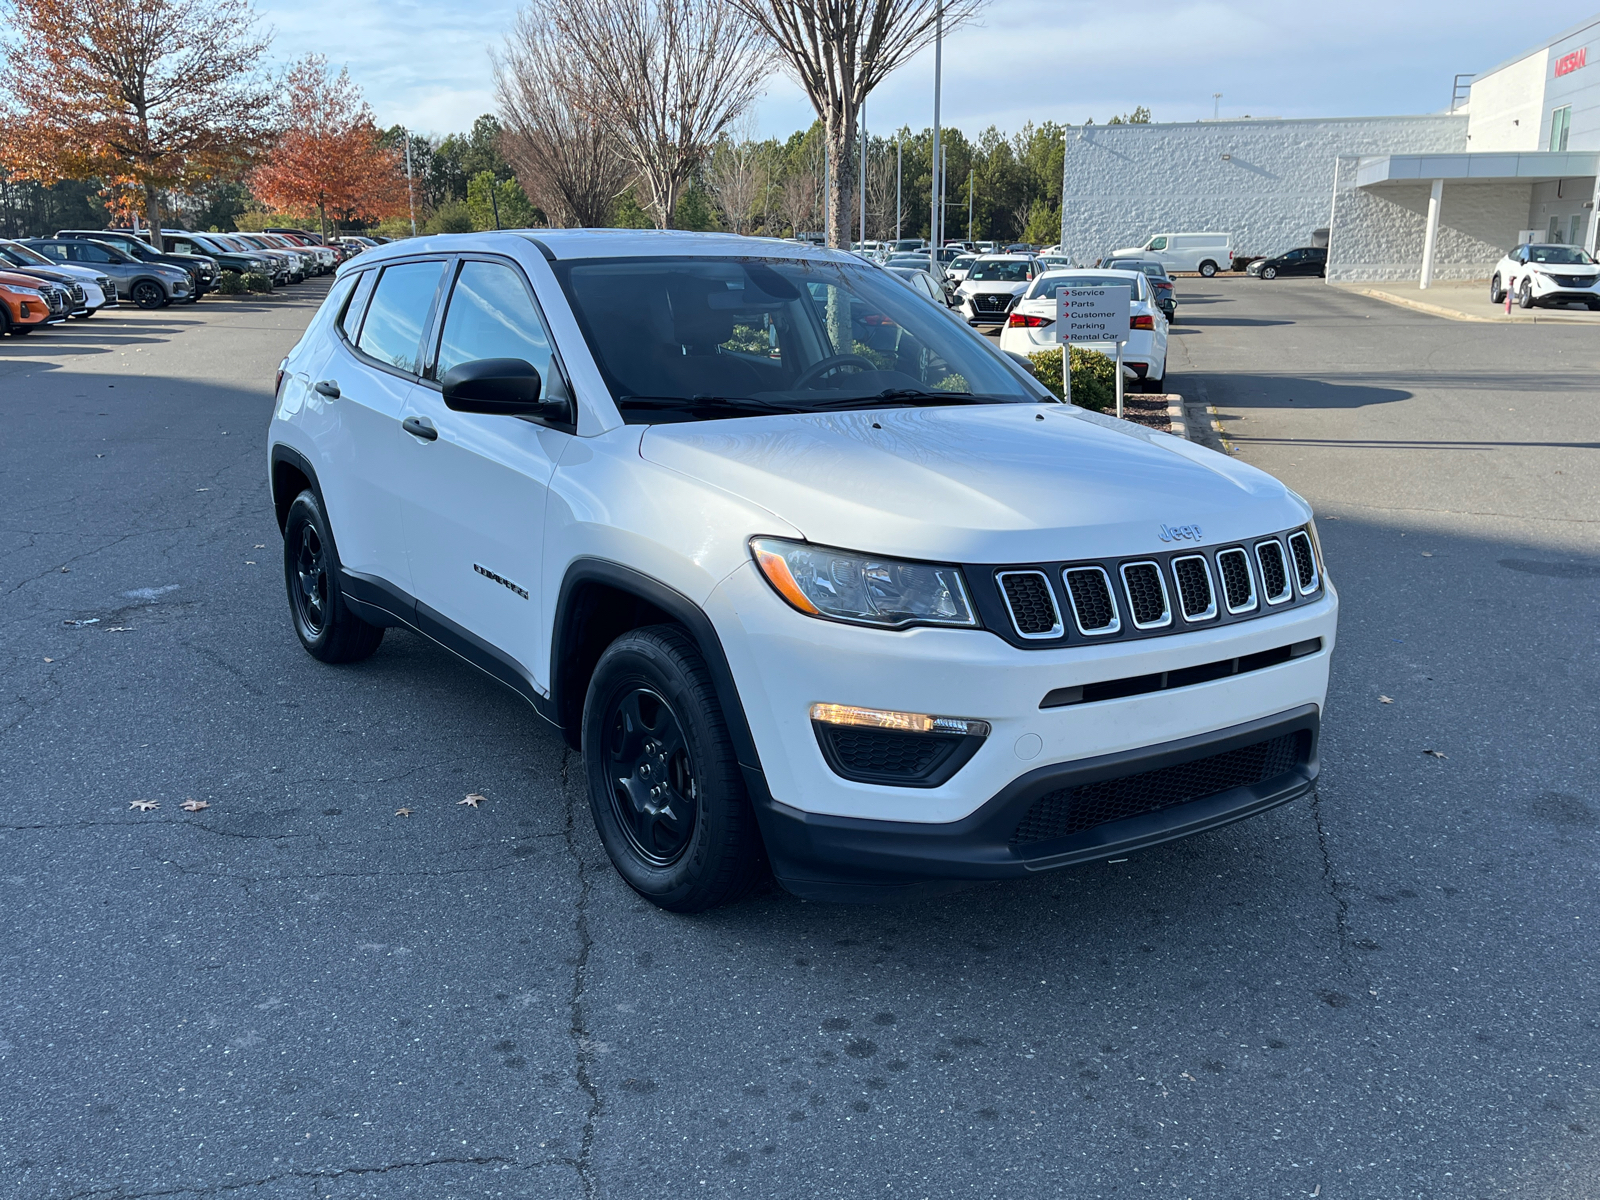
(428, 66)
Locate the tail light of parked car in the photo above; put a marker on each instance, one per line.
(1142, 322)
(1023, 321)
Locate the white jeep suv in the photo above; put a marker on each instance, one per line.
(813, 577)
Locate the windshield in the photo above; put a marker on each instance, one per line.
(25, 256)
(1046, 286)
(1569, 256)
(685, 338)
(1000, 271)
(963, 263)
(1136, 264)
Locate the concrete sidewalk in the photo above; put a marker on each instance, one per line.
(1466, 301)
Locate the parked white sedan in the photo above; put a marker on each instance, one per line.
(1546, 274)
(1031, 326)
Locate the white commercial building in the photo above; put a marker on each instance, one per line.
(1436, 196)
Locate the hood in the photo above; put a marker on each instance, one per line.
(975, 286)
(982, 484)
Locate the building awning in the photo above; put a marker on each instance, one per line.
(1531, 167)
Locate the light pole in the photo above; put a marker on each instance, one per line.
(411, 204)
(971, 175)
(938, 67)
(899, 141)
(1216, 105)
(863, 176)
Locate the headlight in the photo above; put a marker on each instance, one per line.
(25, 291)
(864, 589)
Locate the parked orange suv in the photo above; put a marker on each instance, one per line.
(27, 303)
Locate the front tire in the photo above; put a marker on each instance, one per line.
(1269, 272)
(148, 295)
(1525, 296)
(665, 789)
(324, 623)
(1208, 269)
(1497, 294)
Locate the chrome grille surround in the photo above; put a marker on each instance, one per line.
(1306, 575)
(1056, 628)
(1230, 564)
(1151, 572)
(1087, 594)
(1274, 565)
(1195, 613)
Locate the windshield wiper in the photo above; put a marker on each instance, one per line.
(706, 404)
(889, 395)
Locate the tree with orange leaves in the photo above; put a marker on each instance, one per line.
(329, 155)
(145, 95)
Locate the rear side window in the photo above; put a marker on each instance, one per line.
(491, 315)
(392, 332)
(350, 318)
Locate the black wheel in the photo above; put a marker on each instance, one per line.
(1497, 294)
(1269, 272)
(325, 625)
(1208, 269)
(664, 786)
(147, 294)
(1525, 296)
(21, 330)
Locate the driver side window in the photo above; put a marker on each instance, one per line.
(1159, 243)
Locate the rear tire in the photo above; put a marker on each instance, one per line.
(1497, 294)
(665, 789)
(323, 622)
(1208, 268)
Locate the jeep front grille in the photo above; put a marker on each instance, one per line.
(1238, 589)
(1147, 595)
(1195, 597)
(1305, 562)
(1031, 604)
(1274, 574)
(1093, 605)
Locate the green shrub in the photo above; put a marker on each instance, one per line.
(255, 281)
(1094, 376)
(231, 284)
(450, 217)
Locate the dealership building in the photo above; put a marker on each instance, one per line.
(1433, 196)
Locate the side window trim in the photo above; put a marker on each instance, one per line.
(360, 294)
(436, 338)
(427, 322)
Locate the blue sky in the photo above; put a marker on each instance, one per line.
(427, 65)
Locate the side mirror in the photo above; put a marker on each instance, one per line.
(500, 387)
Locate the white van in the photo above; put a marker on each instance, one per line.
(1207, 253)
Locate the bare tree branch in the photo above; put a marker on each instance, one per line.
(555, 138)
(838, 51)
(669, 77)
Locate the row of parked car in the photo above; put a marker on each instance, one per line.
(76, 273)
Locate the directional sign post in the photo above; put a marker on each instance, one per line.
(1092, 314)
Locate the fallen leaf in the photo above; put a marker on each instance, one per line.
(49, 660)
(402, 812)
(1385, 700)
(119, 628)
(250, 562)
(472, 800)
(263, 545)
(1434, 753)
(1427, 554)
(145, 805)
(193, 805)
(202, 489)
(1189, 1077)
(89, 621)
(1316, 1191)
(64, 570)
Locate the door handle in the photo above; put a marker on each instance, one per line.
(327, 388)
(417, 427)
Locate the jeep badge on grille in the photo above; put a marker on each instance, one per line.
(1180, 533)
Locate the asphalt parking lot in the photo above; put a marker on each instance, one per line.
(1389, 991)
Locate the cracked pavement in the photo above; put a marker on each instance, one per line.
(294, 993)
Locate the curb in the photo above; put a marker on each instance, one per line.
(1520, 317)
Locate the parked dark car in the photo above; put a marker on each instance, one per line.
(1165, 290)
(203, 272)
(1306, 260)
(181, 243)
(149, 285)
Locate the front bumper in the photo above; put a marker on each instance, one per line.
(845, 859)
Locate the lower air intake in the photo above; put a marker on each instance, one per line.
(1068, 811)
